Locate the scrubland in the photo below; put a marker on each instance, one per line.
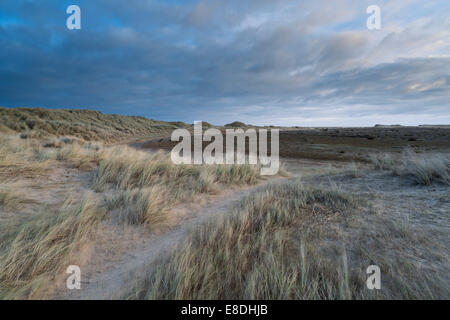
(88, 125)
(297, 241)
(74, 191)
(122, 184)
(424, 168)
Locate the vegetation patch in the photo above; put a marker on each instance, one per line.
(424, 169)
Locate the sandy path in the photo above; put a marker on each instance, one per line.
(106, 284)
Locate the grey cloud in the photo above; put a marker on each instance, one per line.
(201, 61)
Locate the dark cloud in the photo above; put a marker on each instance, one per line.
(259, 61)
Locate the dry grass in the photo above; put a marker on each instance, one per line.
(286, 242)
(127, 168)
(11, 197)
(292, 242)
(138, 187)
(424, 169)
(146, 206)
(145, 185)
(255, 253)
(123, 166)
(34, 248)
(85, 124)
(20, 157)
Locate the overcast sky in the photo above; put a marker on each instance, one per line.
(284, 62)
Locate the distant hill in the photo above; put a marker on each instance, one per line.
(85, 124)
(236, 124)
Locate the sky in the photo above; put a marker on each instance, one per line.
(264, 62)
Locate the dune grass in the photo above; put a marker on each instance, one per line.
(130, 169)
(423, 169)
(147, 185)
(11, 197)
(256, 253)
(34, 248)
(85, 124)
(290, 241)
(140, 187)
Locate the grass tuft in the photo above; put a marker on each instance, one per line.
(256, 253)
(423, 169)
(36, 247)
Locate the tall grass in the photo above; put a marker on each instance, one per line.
(33, 248)
(130, 176)
(85, 124)
(290, 242)
(127, 168)
(122, 166)
(141, 186)
(146, 206)
(148, 185)
(11, 197)
(424, 169)
(256, 253)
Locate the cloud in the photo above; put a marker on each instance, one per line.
(263, 61)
